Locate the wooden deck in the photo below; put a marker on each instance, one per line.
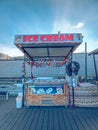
(46, 118)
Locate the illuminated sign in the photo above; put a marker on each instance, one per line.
(53, 38)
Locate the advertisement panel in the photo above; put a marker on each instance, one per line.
(56, 89)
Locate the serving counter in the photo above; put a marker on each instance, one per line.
(46, 93)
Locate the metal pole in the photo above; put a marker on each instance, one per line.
(86, 61)
(96, 74)
(24, 80)
(73, 103)
(31, 70)
(23, 93)
(73, 96)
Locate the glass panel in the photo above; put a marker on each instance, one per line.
(57, 89)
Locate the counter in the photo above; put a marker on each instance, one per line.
(46, 93)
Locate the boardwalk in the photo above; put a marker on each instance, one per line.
(46, 118)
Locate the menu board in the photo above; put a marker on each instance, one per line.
(56, 89)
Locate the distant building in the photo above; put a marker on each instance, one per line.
(4, 56)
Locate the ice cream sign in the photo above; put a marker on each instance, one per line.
(49, 38)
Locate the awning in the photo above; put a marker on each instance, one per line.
(52, 46)
(94, 52)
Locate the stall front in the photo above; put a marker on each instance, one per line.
(46, 92)
(47, 50)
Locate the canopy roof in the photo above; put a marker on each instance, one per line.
(94, 52)
(52, 46)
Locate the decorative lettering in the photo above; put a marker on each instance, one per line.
(53, 38)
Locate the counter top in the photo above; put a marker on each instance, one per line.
(47, 81)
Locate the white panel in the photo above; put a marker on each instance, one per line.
(59, 51)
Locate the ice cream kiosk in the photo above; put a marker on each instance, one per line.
(47, 50)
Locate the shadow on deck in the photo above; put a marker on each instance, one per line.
(46, 118)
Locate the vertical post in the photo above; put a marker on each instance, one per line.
(32, 65)
(96, 74)
(73, 96)
(71, 57)
(31, 70)
(23, 93)
(86, 61)
(73, 103)
(23, 81)
(69, 95)
(95, 68)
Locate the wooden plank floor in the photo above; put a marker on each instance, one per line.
(46, 118)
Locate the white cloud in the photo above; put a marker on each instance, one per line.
(78, 25)
(66, 26)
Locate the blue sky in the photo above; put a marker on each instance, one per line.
(47, 17)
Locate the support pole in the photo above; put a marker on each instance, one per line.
(23, 93)
(86, 61)
(96, 74)
(23, 80)
(31, 68)
(73, 105)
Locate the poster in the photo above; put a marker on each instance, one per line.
(57, 89)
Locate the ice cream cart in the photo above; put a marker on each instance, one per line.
(47, 50)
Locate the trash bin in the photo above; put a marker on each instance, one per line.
(19, 102)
